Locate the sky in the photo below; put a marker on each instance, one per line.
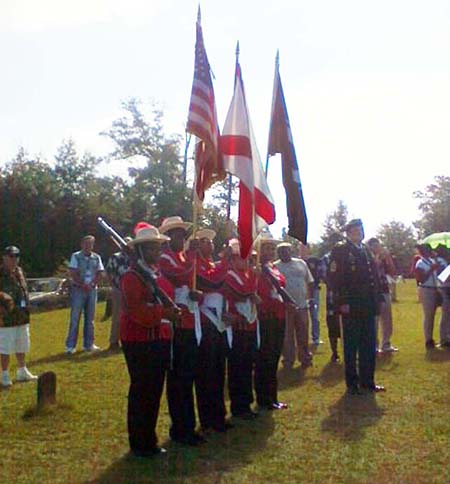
(367, 86)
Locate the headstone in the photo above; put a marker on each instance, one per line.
(46, 389)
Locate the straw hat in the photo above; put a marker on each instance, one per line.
(203, 234)
(148, 234)
(175, 222)
(267, 239)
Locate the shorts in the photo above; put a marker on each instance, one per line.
(15, 339)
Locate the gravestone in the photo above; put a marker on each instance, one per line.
(46, 389)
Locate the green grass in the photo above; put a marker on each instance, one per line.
(401, 436)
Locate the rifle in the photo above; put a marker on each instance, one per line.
(287, 298)
(144, 270)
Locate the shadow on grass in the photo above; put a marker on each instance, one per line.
(351, 415)
(221, 454)
(46, 411)
(436, 355)
(78, 357)
(386, 361)
(291, 377)
(331, 374)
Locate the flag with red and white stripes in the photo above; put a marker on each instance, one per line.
(241, 159)
(202, 121)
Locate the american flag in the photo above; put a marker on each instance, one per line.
(202, 121)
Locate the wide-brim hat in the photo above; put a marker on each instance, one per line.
(175, 222)
(266, 239)
(148, 234)
(209, 234)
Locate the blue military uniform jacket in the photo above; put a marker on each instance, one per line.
(354, 278)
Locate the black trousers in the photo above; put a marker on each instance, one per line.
(180, 383)
(210, 382)
(147, 365)
(359, 346)
(240, 371)
(266, 361)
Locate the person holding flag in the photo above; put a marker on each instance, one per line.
(239, 289)
(177, 267)
(209, 386)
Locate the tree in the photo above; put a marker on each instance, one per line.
(435, 207)
(158, 189)
(333, 228)
(400, 241)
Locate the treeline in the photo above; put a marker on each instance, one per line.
(47, 205)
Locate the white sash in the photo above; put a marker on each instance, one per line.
(247, 309)
(182, 297)
(213, 301)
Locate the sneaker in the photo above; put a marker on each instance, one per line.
(92, 348)
(6, 380)
(23, 374)
(70, 351)
(390, 349)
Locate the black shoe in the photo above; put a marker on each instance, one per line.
(190, 440)
(145, 454)
(199, 438)
(249, 415)
(430, 344)
(279, 406)
(354, 391)
(374, 388)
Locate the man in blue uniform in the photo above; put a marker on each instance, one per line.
(355, 282)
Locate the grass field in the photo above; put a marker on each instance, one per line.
(402, 436)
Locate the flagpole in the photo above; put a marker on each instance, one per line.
(277, 67)
(185, 160)
(230, 177)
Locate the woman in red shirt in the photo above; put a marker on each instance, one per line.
(145, 338)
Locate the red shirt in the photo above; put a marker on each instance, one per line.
(238, 287)
(272, 306)
(177, 267)
(141, 315)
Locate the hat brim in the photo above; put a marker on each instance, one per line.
(178, 225)
(160, 240)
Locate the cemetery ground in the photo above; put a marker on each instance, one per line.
(401, 436)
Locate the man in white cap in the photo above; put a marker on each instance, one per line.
(145, 339)
(178, 266)
(14, 316)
